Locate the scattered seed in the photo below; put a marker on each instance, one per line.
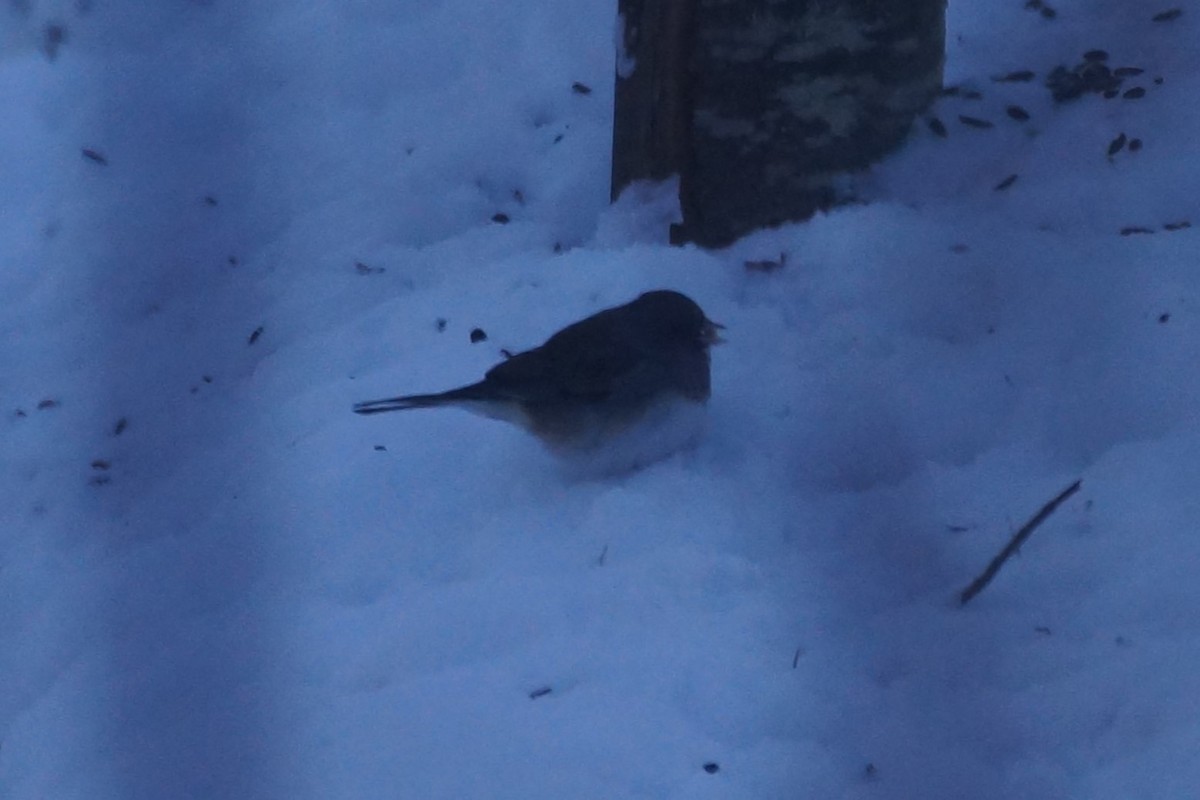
(1089, 76)
(1042, 629)
(46, 404)
(1135, 229)
(766, 265)
(1020, 76)
(500, 218)
(1134, 93)
(937, 127)
(1017, 113)
(254, 334)
(95, 155)
(541, 691)
(1127, 72)
(580, 88)
(100, 464)
(1135, 145)
(975, 122)
(478, 335)
(1116, 144)
(1164, 318)
(1004, 184)
(1095, 55)
(1167, 16)
(1048, 12)
(380, 448)
(1177, 226)
(440, 324)
(53, 35)
(209, 200)
(712, 767)
(120, 427)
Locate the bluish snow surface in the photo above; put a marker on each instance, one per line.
(217, 582)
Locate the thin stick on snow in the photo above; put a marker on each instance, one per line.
(1014, 544)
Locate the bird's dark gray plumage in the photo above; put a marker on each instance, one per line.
(594, 377)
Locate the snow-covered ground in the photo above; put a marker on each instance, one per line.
(223, 223)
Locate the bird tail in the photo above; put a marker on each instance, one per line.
(463, 395)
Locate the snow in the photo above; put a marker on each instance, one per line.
(218, 582)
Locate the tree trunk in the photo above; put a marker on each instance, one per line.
(652, 119)
(759, 105)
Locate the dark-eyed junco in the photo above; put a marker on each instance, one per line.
(594, 378)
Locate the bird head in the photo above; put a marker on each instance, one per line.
(677, 319)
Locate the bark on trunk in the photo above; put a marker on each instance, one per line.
(759, 105)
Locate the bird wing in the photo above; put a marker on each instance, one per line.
(560, 370)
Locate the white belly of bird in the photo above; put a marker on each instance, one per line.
(665, 428)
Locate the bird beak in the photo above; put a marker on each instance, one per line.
(710, 333)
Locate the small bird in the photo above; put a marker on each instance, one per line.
(596, 379)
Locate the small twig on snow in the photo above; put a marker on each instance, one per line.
(1014, 544)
